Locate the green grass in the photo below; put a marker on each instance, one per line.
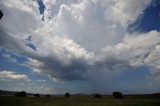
(79, 101)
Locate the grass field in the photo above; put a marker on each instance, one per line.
(79, 101)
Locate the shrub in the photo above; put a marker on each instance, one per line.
(97, 96)
(117, 95)
(67, 95)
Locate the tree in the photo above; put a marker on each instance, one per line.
(1, 14)
(37, 95)
(117, 95)
(21, 94)
(67, 95)
(47, 96)
(97, 96)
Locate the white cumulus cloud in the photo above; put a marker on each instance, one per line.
(79, 37)
(9, 75)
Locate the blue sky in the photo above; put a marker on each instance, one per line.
(49, 46)
(149, 20)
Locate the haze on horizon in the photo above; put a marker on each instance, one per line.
(80, 46)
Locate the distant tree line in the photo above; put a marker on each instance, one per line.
(117, 95)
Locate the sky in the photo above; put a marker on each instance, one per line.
(80, 46)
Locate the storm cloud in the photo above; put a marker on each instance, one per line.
(77, 38)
